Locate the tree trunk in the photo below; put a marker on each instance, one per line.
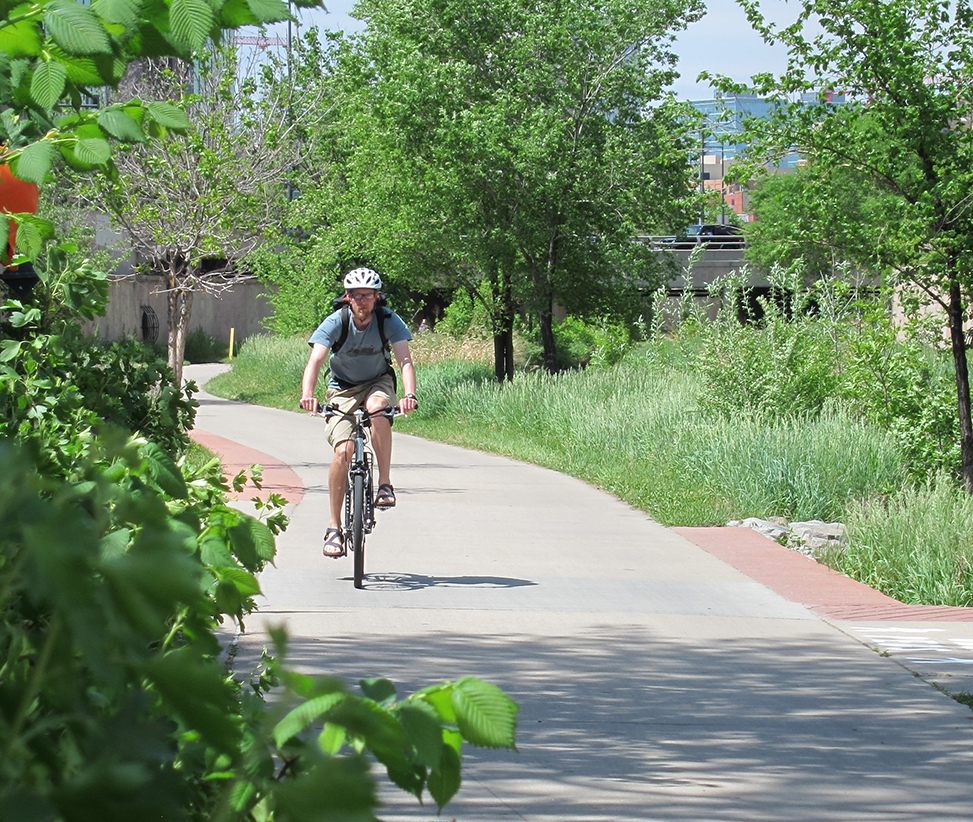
(180, 307)
(958, 340)
(546, 323)
(503, 328)
(546, 294)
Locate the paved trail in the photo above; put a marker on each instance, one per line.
(657, 679)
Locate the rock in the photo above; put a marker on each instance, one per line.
(771, 530)
(815, 536)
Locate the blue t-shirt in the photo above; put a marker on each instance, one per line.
(361, 358)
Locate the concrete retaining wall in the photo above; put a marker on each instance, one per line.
(137, 307)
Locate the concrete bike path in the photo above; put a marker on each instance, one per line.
(656, 681)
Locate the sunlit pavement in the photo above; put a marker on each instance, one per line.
(687, 674)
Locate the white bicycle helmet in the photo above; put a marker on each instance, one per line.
(362, 278)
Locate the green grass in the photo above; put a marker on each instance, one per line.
(267, 371)
(915, 546)
(637, 431)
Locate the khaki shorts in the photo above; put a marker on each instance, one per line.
(340, 428)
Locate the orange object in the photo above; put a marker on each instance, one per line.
(16, 197)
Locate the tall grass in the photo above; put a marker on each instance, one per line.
(267, 371)
(915, 546)
(638, 433)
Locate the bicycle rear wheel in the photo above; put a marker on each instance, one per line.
(358, 527)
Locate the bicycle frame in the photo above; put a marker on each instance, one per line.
(360, 466)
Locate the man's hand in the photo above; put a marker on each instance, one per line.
(408, 404)
(310, 404)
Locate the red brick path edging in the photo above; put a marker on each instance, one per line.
(800, 579)
(278, 478)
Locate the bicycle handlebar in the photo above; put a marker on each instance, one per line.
(329, 411)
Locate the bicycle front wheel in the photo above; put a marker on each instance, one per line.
(358, 527)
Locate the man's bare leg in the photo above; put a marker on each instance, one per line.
(338, 480)
(381, 439)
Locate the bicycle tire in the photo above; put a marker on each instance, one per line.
(358, 527)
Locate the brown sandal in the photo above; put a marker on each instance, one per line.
(334, 539)
(385, 498)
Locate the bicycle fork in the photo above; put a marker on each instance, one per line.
(361, 466)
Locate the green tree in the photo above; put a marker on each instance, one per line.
(813, 216)
(904, 129)
(194, 205)
(515, 144)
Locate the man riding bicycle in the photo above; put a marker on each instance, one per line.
(357, 337)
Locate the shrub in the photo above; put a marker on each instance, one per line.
(201, 347)
(915, 545)
(799, 351)
(465, 316)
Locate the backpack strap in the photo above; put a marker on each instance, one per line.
(382, 313)
(345, 321)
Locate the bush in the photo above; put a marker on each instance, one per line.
(915, 545)
(201, 347)
(464, 317)
(117, 565)
(57, 388)
(800, 351)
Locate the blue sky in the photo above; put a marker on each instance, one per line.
(722, 42)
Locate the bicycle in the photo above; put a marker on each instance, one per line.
(359, 496)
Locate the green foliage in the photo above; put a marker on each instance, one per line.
(111, 679)
(465, 315)
(418, 739)
(57, 386)
(798, 351)
(113, 702)
(593, 345)
(817, 215)
(451, 160)
(201, 347)
(785, 366)
(901, 137)
(303, 288)
(914, 545)
(118, 563)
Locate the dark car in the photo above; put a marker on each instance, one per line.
(712, 235)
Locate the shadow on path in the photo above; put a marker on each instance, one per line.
(619, 724)
(418, 582)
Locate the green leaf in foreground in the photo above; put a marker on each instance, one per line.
(486, 716)
(168, 116)
(335, 790)
(123, 12)
(191, 21)
(120, 125)
(76, 28)
(21, 39)
(164, 471)
(34, 162)
(304, 715)
(444, 781)
(47, 85)
(92, 150)
(269, 11)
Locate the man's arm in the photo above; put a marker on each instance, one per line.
(404, 358)
(319, 356)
